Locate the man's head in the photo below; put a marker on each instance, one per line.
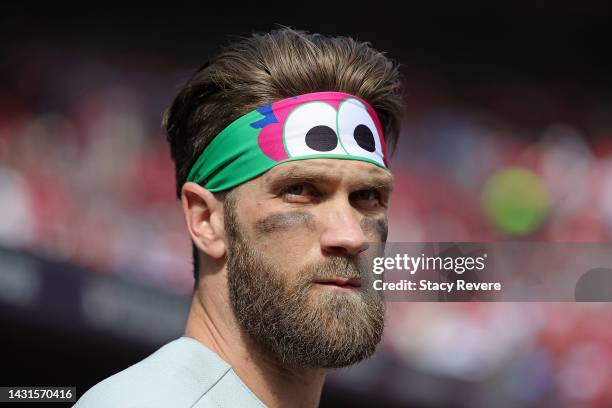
(291, 241)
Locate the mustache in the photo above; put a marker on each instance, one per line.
(341, 267)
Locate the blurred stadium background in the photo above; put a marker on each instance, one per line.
(507, 136)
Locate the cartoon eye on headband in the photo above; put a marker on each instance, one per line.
(357, 131)
(317, 128)
(311, 129)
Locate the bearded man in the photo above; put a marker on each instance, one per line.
(280, 145)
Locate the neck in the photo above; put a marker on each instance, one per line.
(274, 385)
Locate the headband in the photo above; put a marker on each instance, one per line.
(316, 125)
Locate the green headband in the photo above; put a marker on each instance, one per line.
(311, 126)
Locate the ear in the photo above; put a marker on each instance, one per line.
(204, 217)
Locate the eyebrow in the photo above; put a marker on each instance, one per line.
(374, 178)
(295, 174)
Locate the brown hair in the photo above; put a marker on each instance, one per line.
(263, 68)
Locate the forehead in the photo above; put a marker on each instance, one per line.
(330, 170)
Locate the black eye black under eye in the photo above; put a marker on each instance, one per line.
(364, 138)
(322, 138)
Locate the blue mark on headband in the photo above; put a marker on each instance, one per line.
(268, 118)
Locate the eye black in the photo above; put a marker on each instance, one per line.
(364, 138)
(322, 138)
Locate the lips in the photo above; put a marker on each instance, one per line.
(347, 283)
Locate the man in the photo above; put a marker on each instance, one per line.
(281, 168)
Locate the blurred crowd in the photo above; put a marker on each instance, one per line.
(86, 177)
(86, 174)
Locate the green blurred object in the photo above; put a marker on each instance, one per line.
(516, 200)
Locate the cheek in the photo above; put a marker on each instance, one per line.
(288, 236)
(285, 222)
(375, 227)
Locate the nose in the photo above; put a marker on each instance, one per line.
(342, 234)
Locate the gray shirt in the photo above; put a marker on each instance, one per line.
(183, 373)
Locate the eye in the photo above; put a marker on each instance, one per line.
(299, 193)
(311, 129)
(296, 189)
(358, 133)
(369, 198)
(365, 195)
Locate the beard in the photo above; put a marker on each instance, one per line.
(291, 322)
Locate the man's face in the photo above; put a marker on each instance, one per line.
(299, 282)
